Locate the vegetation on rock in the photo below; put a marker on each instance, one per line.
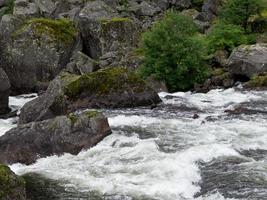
(174, 53)
(258, 81)
(9, 182)
(62, 30)
(103, 81)
(238, 12)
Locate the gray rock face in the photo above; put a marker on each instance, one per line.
(81, 64)
(12, 187)
(63, 134)
(35, 51)
(248, 60)
(210, 10)
(89, 20)
(106, 88)
(4, 92)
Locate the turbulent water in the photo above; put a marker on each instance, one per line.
(187, 148)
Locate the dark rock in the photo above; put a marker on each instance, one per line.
(105, 88)
(210, 10)
(36, 51)
(12, 187)
(90, 20)
(195, 116)
(63, 134)
(82, 64)
(248, 60)
(4, 92)
(219, 79)
(9, 115)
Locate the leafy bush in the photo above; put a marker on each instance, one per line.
(173, 52)
(9, 6)
(238, 12)
(225, 36)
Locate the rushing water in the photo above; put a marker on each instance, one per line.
(187, 148)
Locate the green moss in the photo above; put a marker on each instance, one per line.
(258, 81)
(91, 113)
(9, 4)
(8, 181)
(104, 81)
(73, 118)
(217, 72)
(60, 30)
(116, 20)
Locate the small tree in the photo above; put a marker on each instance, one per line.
(173, 53)
(225, 36)
(238, 12)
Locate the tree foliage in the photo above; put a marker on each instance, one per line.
(173, 52)
(225, 36)
(238, 12)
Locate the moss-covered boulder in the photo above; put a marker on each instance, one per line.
(37, 50)
(12, 187)
(62, 134)
(258, 81)
(106, 88)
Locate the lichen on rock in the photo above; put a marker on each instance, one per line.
(11, 186)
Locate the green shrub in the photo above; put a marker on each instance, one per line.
(10, 6)
(226, 37)
(173, 52)
(238, 12)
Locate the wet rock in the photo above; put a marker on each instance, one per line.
(106, 88)
(35, 51)
(233, 177)
(249, 108)
(4, 92)
(248, 60)
(40, 187)
(12, 187)
(63, 134)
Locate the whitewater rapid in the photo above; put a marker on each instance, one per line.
(167, 153)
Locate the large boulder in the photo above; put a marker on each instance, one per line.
(104, 31)
(248, 60)
(4, 92)
(35, 51)
(12, 187)
(63, 134)
(106, 88)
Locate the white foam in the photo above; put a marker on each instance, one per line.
(127, 165)
(17, 102)
(218, 98)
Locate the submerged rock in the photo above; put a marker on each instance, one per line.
(4, 92)
(248, 60)
(106, 88)
(63, 134)
(36, 51)
(12, 187)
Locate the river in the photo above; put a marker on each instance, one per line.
(188, 148)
